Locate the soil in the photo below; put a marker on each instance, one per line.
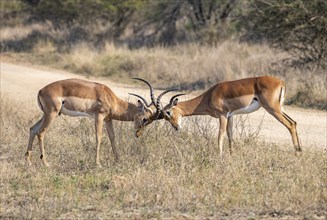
(22, 81)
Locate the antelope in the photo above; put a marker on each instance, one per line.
(77, 97)
(226, 99)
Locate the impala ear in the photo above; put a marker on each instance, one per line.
(175, 102)
(143, 107)
(140, 105)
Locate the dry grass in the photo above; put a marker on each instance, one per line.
(190, 64)
(162, 174)
(186, 67)
(157, 177)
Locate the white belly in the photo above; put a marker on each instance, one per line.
(254, 106)
(74, 106)
(74, 113)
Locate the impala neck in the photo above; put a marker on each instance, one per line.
(194, 106)
(124, 111)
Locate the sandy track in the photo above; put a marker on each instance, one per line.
(23, 82)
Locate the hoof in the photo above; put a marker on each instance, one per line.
(28, 159)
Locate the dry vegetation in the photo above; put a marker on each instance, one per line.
(185, 66)
(157, 176)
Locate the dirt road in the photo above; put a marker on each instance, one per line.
(23, 82)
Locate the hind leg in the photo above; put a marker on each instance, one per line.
(293, 131)
(289, 123)
(221, 134)
(98, 131)
(33, 131)
(47, 120)
(230, 133)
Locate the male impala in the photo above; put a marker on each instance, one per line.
(77, 97)
(226, 99)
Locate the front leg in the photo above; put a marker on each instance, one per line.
(33, 132)
(222, 132)
(111, 135)
(98, 131)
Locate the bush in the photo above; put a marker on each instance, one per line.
(298, 27)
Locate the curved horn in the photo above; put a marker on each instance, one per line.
(158, 104)
(172, 98)
(163, 93)
(151, 90)
(143, 99)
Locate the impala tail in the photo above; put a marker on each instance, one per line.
(39, 102)
(282, 95)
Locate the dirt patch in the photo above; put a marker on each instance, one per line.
(23, 82)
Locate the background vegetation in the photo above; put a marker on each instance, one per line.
(298, 27)
(185, 43)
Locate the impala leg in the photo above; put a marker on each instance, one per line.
(295, 137)
(222, 132)
(111, 135)
(33, 132)
(230, 133)
(290, 124)
(47, 120)
(98, 131)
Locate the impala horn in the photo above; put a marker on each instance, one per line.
(151, 90)
(163, 93)
(170, 102)
(173, 98)
(143, 99)
(153, 100)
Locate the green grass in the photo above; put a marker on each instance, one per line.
(163, 174)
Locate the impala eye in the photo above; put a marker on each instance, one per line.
(168, 113)
(144, 120)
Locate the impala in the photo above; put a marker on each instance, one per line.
(77, 97)
(226, 99)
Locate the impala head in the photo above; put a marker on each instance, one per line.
(171, 112)
(143, 118)
(148, 112)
